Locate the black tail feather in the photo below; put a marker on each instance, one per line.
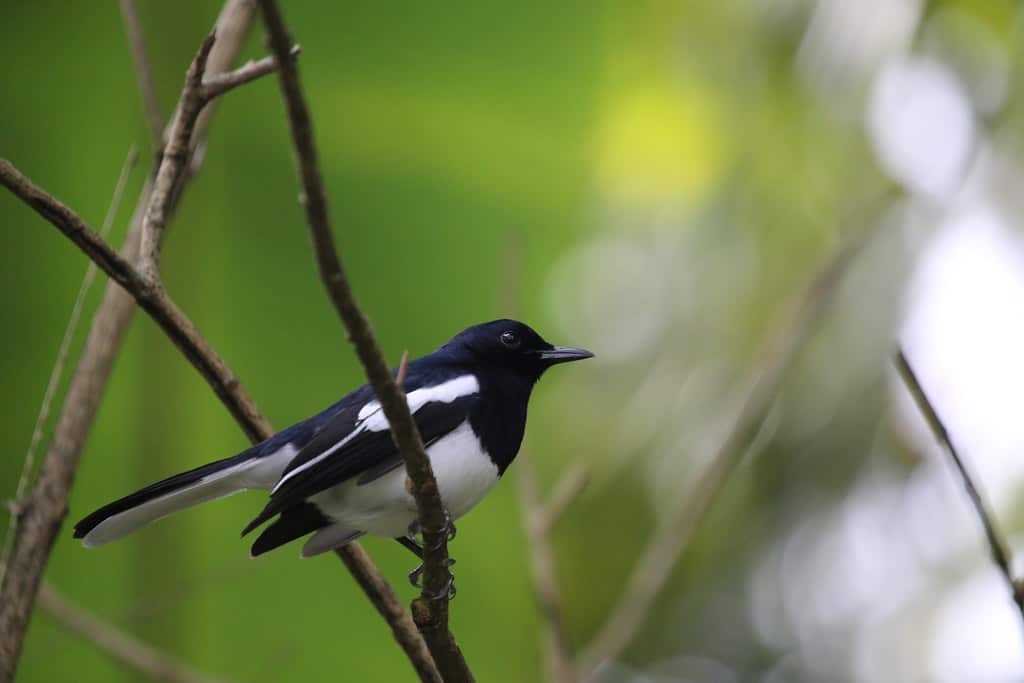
(155, 490)
(293, 523)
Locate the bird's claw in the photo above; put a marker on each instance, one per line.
(449, 525)
(416, 579)
(446, 593)
(416, 576)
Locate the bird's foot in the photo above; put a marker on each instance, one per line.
(446, 592)
(416, 576)
(416, 579)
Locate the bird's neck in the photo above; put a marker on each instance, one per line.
(500, 418)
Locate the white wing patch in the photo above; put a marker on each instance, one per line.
(371, 417)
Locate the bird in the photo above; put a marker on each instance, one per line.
(338, 476)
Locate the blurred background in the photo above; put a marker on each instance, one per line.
(659, 181)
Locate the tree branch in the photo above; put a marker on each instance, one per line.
(151, 297)
(143, 73)
(40, 515)
(566, 490)
(122, 647)
(196, 94)
(430, 611)
(654, 567)
(997, 545)
(224, 383)
(388, 605)
(217, 85)
(537, 522)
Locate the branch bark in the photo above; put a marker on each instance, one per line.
(195, 95)
(143, 73)
(998, 547)
(152, 298)
(41, 515)
(538, 520)
(122, 647)
(654, 567)
(430, 611)
(224, 383)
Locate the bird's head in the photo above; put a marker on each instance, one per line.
(512, 345)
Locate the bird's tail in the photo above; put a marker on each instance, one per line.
(123, 516)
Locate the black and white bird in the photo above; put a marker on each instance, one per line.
(338, 475)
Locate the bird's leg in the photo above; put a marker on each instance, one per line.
(415, 576)
(409, 541)
(448, 591)
(448, 530)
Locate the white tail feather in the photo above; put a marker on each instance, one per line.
(329, 538)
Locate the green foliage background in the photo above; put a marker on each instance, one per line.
(444, 129)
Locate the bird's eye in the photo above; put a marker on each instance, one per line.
(510, 339)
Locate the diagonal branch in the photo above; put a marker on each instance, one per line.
(431, 610)
(147, 289)
(40, 516)
(195, 95)
(143, 72)
(218, 84)
(998, 547)
(566, 490)
(179, 328)
(153, 299)
(538, 519)
(122, 647)
(654, 567)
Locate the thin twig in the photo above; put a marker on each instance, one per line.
(196, 94)
(224, 383)
(232, 27)
(654, 567)
(58, 365)
(153, 299)
(146, 287)
(430, 611)
(121, 646)
(403, 368)
(998, 546)
(566, 490)
(172, 164)
(143, 73)
(41, 516)
(217, 85)
(558, 650)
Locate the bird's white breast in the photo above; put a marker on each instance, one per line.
(384, 507)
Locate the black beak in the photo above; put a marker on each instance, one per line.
(564, 354)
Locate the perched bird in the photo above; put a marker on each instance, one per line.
(338, 474)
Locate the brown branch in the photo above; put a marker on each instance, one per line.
(997, 545)
(430, 611)
(40, 516)
(57, 372)
(567, 489)
(122, 647)
(233, 24)
(654, 567)
(231, 392)
(196, 94)
(388, 605)
(143, 73)
(148, 290)
(172, 164)
(537, 522)
(217, 85)
(153, 299)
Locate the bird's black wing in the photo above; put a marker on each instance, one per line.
(348, 447)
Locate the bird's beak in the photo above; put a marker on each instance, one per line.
(564, 354)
